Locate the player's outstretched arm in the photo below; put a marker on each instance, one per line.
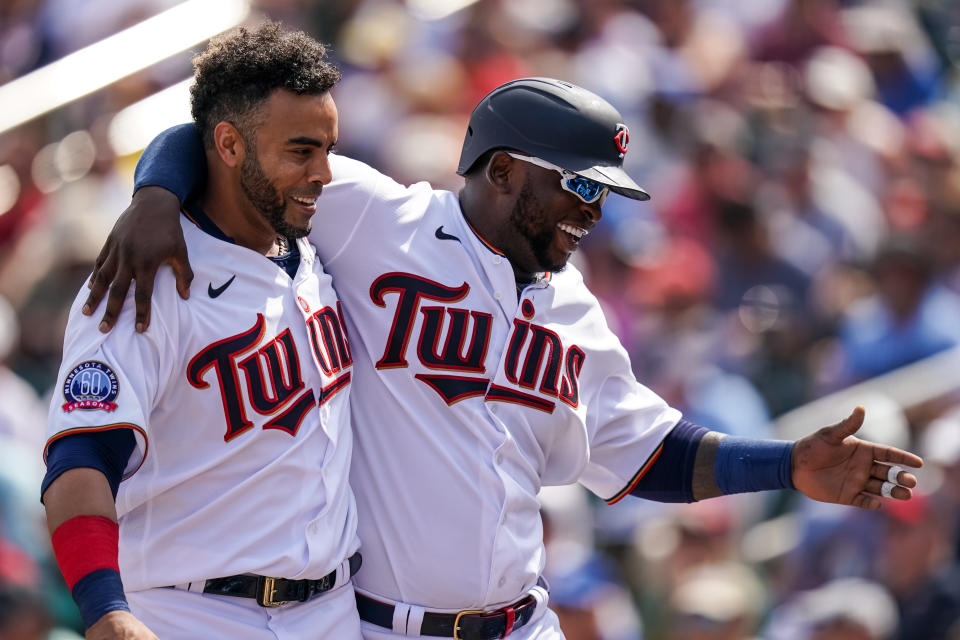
(145, 236)
(832, 465)
(829, 465)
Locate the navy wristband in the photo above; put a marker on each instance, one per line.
(745, 465)
(97, 594)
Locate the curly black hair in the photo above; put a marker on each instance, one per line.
(239, 70)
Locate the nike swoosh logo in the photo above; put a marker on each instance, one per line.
(213, 293)
(445, 236)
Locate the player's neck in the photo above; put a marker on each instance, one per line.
(476, 211)
(227, 206)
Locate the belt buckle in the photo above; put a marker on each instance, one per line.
(266, 589)
(456, 622)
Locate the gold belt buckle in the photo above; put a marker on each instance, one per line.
(456, 622)
(268, 591)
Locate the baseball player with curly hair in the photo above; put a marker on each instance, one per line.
(205, 461)
(484, 368)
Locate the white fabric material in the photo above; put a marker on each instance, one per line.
(343, 574)
(400, 613)
(886, 489)
(415, 620)
(452, 442)
(173, 614)
(893, 473)
(200, 500)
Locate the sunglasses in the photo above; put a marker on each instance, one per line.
(588, 190)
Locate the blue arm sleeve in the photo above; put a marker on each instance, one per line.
(174, 160)
(670, 479)
(741, 465)
(106, 451)
(745, 465)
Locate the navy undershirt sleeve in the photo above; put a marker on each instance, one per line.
(174, 160)
(106, 451)
(670, 479)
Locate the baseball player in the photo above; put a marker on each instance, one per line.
(228, 419)
(485, 369)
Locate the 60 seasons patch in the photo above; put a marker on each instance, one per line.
(89, 386)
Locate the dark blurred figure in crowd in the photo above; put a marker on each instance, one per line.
(23, 615)
(804, 26)
(909, 317)
(746, 260)
(918, 565)
(904, 65)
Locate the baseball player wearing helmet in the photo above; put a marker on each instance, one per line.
(485, 369)
(228, 418)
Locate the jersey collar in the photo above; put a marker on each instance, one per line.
(539, 279)
(195, 214)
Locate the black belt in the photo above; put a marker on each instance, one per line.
(466, 625)
(273, 592)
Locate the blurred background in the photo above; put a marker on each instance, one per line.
(800, 256)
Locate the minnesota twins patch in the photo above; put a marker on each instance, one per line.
(89, 386)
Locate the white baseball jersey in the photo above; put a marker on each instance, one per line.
(469, 398)
(239, 401)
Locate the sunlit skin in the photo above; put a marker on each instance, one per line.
(268, 184)
(524, 210)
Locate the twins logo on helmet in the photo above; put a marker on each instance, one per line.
(622, 138)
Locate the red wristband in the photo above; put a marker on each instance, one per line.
(84, 544)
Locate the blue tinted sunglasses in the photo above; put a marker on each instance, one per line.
(588, 190)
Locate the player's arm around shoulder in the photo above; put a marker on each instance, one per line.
(146, 235)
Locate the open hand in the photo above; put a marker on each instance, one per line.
(831, 465)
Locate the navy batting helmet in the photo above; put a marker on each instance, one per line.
(558, 122)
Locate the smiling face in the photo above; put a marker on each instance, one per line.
(285, 163)
(546, 223)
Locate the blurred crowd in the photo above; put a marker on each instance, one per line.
(804, 236)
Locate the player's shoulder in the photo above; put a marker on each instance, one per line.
(349, 171)
(570, 281)
(351, 175)
(570, 291)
